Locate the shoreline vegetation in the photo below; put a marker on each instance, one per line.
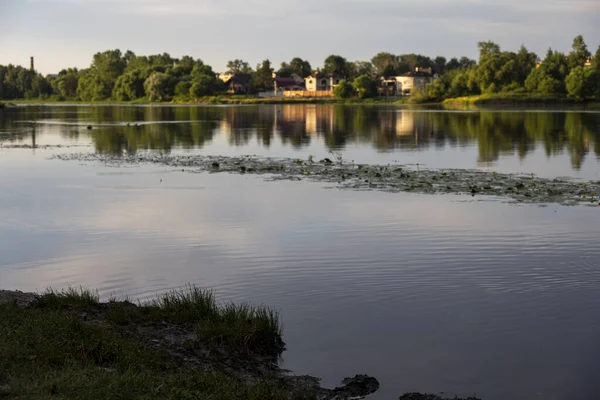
(182, 344)
(497, 76)
(459, 103)
(345, 174)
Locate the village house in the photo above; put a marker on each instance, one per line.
(404, 84)
(293, 83)
(318, 81)
(414, 79)
(236, 83)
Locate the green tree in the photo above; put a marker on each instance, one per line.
(580, 53)
(487, 49)
(549, 77)
(262, 78)
(358, 68)
(335, 64)
(130, 85)
(439, 64)
(185, 66)
(596, 59)
(238, 67)
(344, 90)
(65, 84)
(386, 64)
(204, 82)
(300, 67)
(575, 83)
(156, 86)
(91, 87)
(365, 86)
(592, 82)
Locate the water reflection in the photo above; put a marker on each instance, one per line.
(121, 129)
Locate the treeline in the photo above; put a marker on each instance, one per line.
(128, 77)
(575, 75)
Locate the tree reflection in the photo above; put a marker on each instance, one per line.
(120, 129)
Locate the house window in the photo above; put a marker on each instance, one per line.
(323, 82)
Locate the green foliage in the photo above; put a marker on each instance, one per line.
(365, 86)
(65, 84)
(575, 83)
(297, 66)
(91, 87)
(156, 86)
(344, 90)
(182, 89)
(580, 53)
(335, 64)
(17, 82)
(358, 68)
(238, 67)
(386, 64)
(262, 78)
(204, 82)
(130, 85)
(549, 77)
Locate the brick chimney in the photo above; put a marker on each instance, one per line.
(32, 63)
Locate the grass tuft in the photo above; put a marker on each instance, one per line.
(70, 297)
(240, 327)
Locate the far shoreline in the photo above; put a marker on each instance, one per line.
(509, 100)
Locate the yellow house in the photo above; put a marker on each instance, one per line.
(418, 78)
(319, 81)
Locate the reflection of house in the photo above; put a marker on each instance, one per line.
(293, 83)
(319, 81)
(238, 83)
(318, 119)
(405, 123)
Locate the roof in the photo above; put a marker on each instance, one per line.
(418, 74)
(284, 81)
(241, 79)
(319, 75)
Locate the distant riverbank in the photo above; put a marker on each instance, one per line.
(469, 102)
(516, 99)
(218, 100)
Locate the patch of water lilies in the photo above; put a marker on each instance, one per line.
(522, 188)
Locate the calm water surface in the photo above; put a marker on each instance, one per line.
(427, 293)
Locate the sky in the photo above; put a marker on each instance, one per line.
(66, 33)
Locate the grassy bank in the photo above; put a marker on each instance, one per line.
(515, 99)
(182, 345)
(218, 100)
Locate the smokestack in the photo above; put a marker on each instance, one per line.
(32, 63)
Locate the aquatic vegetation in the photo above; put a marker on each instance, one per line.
(519, 188)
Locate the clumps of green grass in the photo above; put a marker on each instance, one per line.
(240, 327)
(243, 327)
(48, 353)
(73, 297)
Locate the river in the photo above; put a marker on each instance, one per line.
(429, 293)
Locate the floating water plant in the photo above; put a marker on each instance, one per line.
(401, 178)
